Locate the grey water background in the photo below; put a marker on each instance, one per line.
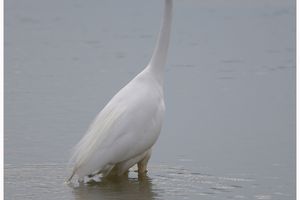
(229, 130)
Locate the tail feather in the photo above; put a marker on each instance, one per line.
(70, 178)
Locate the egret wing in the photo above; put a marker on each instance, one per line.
(95, 136)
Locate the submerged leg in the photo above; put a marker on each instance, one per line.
(142, 164)
(107, 170)
(123, 167)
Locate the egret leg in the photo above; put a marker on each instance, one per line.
(123, 167)
(117, 171)
(107, 170)
(142, 165)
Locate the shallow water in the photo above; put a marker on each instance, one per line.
(162, 182)
(229, 130)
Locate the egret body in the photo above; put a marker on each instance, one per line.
(124, 132)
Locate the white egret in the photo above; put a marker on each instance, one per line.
(124, 132)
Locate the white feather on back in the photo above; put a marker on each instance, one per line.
(92, 140)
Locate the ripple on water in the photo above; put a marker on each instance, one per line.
(188, 183)
(45, 181)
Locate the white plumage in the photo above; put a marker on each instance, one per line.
(125, 130)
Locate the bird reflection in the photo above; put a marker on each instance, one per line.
(121, 187)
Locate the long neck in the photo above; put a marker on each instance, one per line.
(159, 56)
